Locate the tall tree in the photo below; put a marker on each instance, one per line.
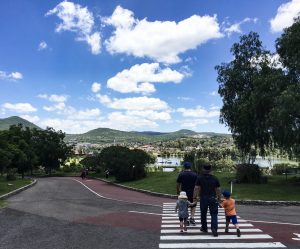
(252, 87)
(51, 148)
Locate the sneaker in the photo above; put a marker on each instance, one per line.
(238, 232)
(204, 230)
(215, 233)
(181, 231)
(192, 221)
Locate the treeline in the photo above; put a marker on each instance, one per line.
(23, 150)
(125, 164)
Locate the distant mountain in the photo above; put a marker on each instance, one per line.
(106, 135)
(5, 123)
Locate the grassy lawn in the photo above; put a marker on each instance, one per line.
(8, 186)
(277, 187)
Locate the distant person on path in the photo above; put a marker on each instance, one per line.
(230, 212)
(186, 182)
(83, 174)
(106, 173)
(208, 188)
(182, 207)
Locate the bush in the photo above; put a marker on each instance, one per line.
(248, 173)
(224, 165)
(280, 168)
(11, 177)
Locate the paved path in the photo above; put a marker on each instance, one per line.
(60, 213)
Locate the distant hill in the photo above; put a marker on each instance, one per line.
(106, 135)
(5, 123)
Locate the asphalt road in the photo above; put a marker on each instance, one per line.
(62, 213)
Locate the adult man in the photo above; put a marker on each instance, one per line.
(208, 187)
(186, 182)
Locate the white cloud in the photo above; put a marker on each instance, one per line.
(43, 45)
(32, 119)
(150, 114)
(59, 106)
(236, 27)
(192, 124)
(96, 87)
(273, 60)
(19, 107)
(140, 78)
(80, 20)
(135, 103)
(103, 99)
(122, 121)
(198, 112)
(213, 93)
(285, 15)
(10, 76)
(54, 97)
(87, 114)
(162, 41)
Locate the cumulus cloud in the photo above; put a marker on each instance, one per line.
(236, 27)
(285, 15)
(140, 78)
(150, 114)
(198, 112)
(10, 76)
(58, 100)
(192, 124)
(32, 119)
(135, 103)
(42, 46)
(79, 20)
(19, 107)
(122, 121)
(161, 41)
(96, 87)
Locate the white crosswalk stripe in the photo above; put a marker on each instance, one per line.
(172, 238)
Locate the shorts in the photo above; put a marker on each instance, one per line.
(233, 219)
(182, 219)
(190, 198)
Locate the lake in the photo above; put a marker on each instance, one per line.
(170, 162)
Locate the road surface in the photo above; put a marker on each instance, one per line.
(74, 213)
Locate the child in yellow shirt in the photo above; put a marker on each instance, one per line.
(230, 213)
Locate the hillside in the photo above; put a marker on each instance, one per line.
(106, 135)
(5, 123)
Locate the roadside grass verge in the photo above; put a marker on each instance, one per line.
(8, 186)
(277, 188)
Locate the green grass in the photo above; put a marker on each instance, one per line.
(8, 186)
(277, 188)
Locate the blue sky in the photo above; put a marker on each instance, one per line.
(127, 65)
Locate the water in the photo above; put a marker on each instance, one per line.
(170, 161)
(175, 162)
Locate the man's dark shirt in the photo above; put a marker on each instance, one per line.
(187, 180)
(208, 184)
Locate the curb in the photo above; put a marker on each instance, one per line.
(240, 202)
(16, 191)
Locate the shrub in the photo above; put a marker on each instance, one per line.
(280, 168)
(10, 177)
(224, 165)
(248, 173)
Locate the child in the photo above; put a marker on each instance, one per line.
(182, 206)
(229, 206)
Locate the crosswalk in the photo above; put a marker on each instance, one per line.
(171, 237)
